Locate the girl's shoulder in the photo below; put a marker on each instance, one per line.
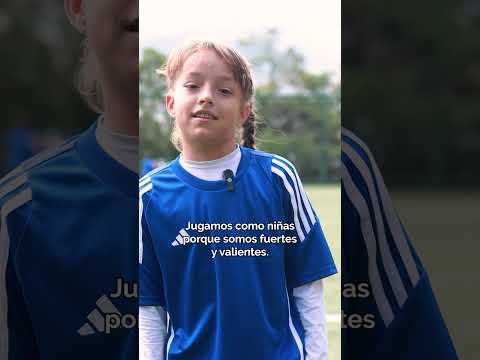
(158, 175)
(46, 171)
(268, 158)
(156, 172)
(274, 162)
(280, 171)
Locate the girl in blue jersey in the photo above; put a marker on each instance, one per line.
(228, 293)
(68, 216)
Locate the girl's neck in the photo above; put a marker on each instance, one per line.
(121, 111)
(207, 153)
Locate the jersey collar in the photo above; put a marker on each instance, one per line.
(219, 185)
(110, 171)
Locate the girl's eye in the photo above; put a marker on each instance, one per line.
(226, 91)
(190, 86)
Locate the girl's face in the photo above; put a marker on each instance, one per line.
(111, 28)
(206, 102)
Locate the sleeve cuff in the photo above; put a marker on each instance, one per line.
(307, 278)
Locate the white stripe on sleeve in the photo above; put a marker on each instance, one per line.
(12, 185)
(14, 203)
(292, 200)
(302, 190)
(305, 223)
(391, 269)
(140, 213)
(393, 221)
(360, 204)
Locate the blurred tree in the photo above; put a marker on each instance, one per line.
(300, 110)
(155, 126)
(411, 80)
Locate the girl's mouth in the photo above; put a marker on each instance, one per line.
(204, 114)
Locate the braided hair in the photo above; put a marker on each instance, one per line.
(249, 129)
(87, 80)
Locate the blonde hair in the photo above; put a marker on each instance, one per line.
(241, 73)
(87, 82)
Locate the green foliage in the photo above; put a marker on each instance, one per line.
(154, 124)
(304, 129)
(300, 110)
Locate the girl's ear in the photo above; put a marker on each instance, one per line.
(246, 111)
(76, 14)
(170, 104)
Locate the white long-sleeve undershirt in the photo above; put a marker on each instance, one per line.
(311, 308)
(153, 332)
(122, 148)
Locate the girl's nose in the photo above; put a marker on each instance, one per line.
(205, 100)
(205, 97)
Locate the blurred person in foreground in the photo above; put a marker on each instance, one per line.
(389, 310)
(68, 288)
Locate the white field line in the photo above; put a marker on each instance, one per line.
(334, 318)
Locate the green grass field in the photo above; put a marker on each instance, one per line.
(326, 200)
(443, 228)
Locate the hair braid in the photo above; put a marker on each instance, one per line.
(87, 81)
(248, 133)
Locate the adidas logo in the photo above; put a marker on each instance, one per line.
(179, 238)
(96, 318)
(109, 318)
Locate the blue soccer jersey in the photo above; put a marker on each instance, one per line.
(69, 256)
(389, 310)
(223, 261)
